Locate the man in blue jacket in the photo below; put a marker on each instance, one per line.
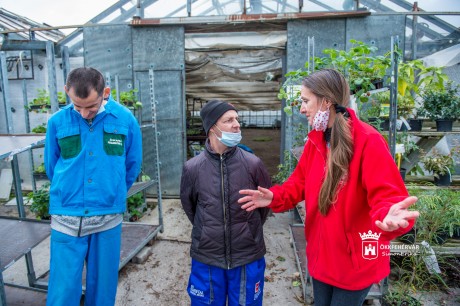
(93, 154)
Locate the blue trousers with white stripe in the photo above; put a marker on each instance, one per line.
(100, 251)
(244, 285)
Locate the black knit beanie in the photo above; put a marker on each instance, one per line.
(212, 111)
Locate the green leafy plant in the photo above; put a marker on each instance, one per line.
(440, 164)
(439, 213)
(39, 129)
(360, 66)
(135, 205)
(414, 78)
(40, 169)
(441, 103)
(410, 273)
(128, 98)
(285, 169)
(40, 202)
(43, 100)
(400, 295)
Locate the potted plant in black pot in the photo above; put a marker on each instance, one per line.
(441, 165)
(442, 105)
(43, 101)
(413, 77)
(40, 173)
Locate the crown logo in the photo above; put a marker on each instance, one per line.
(370, 235)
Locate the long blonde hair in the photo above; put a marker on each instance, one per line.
(331, 85)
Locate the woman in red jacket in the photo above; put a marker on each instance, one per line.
(355, 198)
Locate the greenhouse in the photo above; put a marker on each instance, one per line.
(164, 60)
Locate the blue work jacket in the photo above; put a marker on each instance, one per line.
(91, 166)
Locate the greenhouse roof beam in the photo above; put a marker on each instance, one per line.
(435, 20)
(112, 9)
(13, 45)
(232, 23)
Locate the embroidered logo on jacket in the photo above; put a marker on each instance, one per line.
(117, 142)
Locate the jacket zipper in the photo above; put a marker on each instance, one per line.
(224, 208)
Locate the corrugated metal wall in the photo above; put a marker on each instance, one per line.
(129, 53)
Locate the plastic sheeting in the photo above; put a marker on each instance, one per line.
(242, 68)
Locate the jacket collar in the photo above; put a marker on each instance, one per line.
(229, 152)
(111, 107)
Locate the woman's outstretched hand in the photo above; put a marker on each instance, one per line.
(398, 215)
(254, 199)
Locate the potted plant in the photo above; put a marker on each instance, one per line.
(136, 207)
(39, 172)
(442, 105)
(439, 214)
(40, 129)
(382, 101)
(40, 202)
(413, 77)
(363, 69)
(42, 102)
(441, 165)
(128, 98)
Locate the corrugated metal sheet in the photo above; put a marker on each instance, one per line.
(162, 49)
(110, 50)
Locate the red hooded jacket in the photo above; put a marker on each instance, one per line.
(338, 253)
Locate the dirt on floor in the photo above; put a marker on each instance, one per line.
(163, 278)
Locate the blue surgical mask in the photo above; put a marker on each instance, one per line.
(229, 139)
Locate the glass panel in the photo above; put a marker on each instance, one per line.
(405, 6)
(327, 5)
(164, 8)
(272, 6)
(217, 7)
(434, 34)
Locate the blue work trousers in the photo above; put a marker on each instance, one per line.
(100, 251)
(244, 285)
